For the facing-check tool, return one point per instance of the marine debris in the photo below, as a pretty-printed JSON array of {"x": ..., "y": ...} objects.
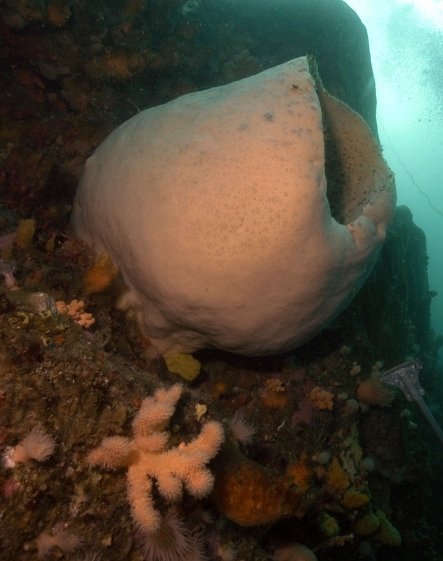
[{"x": 405, "y": 377}]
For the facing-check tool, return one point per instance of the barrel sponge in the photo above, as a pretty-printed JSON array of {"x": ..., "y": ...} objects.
[{"x": 216, "y": 209}]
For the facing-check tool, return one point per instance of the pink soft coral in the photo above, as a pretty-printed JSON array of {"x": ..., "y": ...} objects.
[{"x": 148, "y": 458}]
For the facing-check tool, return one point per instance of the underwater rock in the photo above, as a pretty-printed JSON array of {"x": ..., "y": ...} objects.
[{"x": 217, "y": 209}]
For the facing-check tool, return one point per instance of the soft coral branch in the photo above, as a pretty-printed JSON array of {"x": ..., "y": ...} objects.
[{"x": 149, "y": 460}]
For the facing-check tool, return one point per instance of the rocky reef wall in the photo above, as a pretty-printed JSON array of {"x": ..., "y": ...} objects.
[{"x": 316, "y": 449}]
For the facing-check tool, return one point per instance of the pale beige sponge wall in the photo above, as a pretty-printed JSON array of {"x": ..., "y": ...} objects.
[{"x": 214, "y": 206}]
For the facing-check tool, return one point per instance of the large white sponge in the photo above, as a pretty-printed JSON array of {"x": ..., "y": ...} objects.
[{"x": 214, "y": 207}]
